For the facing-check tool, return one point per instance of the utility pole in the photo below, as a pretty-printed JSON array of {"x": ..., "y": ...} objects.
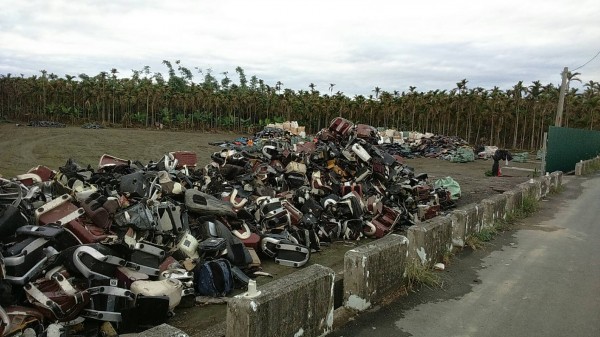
[{"x": 561, "y": 98}]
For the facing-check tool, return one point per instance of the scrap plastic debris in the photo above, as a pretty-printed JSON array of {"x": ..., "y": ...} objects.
[{"x": 119, "y": 246}]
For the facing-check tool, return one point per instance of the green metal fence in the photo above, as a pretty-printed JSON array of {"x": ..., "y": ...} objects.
[{"x": 568, "y": 146}]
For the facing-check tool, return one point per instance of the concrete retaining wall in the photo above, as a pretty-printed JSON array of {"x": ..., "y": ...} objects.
[
  {"x": 300, "y": 304},
  {"x": 584, "y": 167},
  {"x": 373, "y": 271},
  {"x": 514, "y": 200},
  {"x": 556, "y": 178},
  {"x": 474, "y": 218},
  {"x": 459, "y": 219},
  {"x": 430, "y": 240},
  {"x": 494, "y": 208}
]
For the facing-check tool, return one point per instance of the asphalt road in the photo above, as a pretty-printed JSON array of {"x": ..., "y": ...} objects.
[{"x": 543, "y": 279}]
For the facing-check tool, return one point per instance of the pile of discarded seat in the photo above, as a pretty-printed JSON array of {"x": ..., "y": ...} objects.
[
  {"x": 428, "y": 145},
  {"x": 116, "y": 248},
  {"x": 92, "y": 126},
  {"x": 46, "y": 124}
]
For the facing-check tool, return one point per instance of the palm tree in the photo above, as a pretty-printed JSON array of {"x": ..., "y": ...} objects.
[
  {"x": 377, "y": 90},
  {"x": 516, "y": 92}
]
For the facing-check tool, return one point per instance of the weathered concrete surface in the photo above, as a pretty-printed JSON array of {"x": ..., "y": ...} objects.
[
  {"x": 529, "y": 188},
  {"x": 493, "y": 208},
  {"x": 300, "y": 304},
  {"x": 458, "y": 218},
  {"x": 163, "y": 330},
  {"x": 545, "y": 185},
  {"x": 536, "y": 190},
  {"x": 557, "y": 176},
  {"x": 430, "y": 240},
  {"x": 514, "y": 200},
  {"x": 373, "y": 271},
  {"x": 474, "y": 218},
  {"x": 587, "y": 166}
]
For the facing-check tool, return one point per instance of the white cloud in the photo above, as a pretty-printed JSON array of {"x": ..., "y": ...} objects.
[{"x": 356, "y": 44}]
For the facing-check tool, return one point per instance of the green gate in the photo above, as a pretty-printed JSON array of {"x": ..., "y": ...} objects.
[{"x": 568, "y": 146}]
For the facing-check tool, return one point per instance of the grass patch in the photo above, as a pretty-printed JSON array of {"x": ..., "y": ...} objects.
[
  {"x": 486, "y": 234},
  {"x": 556, "y": 190},
  {"x": 474, "y": 242},
  {"x": 448, "y": 256},
  {"x": 530, "y": 205},
  {"x": 503, "y": 225},
  {"x": 418, "y": 275},
  {"x": 478, "y": 240},
  {"x": 592, "y": 167}
]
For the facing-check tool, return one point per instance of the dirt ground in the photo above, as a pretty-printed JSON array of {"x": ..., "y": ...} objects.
[{"x": 22, "y": 148}]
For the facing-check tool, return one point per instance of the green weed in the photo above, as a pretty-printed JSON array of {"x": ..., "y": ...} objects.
[
  {"x": 556, "y": 190},
  {"x": 447, "y": 257},
  {"x": 530, "y": 205},
  {"x": 503, "y": 225},
  {"x": 418, "y": 275},
  {"x": 474, "y": 242}
]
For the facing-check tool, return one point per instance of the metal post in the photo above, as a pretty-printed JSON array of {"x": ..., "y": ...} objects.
[
  {"x": 544, "y": 149},
  {"x": 561, "y": 98}
]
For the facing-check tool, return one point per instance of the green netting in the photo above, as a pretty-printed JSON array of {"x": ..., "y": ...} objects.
[
  {"x": 520, "y": 157},
  {"x": 463, "y": 155},
  {"x": 540, "y": 155},
  {"x": 451, "y": 184}
]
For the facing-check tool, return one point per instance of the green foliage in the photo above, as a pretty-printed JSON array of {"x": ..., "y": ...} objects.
[
  {"x": 478, "y": 240},
  {"x": 503, "y": 225},
  {"x": 138, "y": 117},
  {"x": 592, "y": 167},
  {"x": 418, "y": 275},
  {"x": 486, "y": 234},
  {"x": 448, "y": 256},
  {"x": 165, "y": 116},
  {"x": 530, "y": 205},
  {"x": 474, "y": 242},
  {"x": 556, "y": 190},
  {"x": 514, "y": 118}
]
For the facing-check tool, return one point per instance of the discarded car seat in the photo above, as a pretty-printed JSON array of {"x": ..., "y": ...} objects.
[
  {"x": 137, "y": 216},
  {"x": 202, "y": 203},
  {"x": 135, "y": 184},
  {"x": 144, "y": 313},
  {"x": 340, "y": 126},
  {"x": 24, "y": 260},
  {"x": 107, "y": 301},
  {"x": 383, "y": 223},
  {"x": 56, "y": 297},
  {"x": 292, "y": 254},
  {"x": 236, "y": 253},
  {"x": 59, "y": 237},
  {"x": 169, "y": 287},
  {"x": 11, "y": 218},
  {"x": 17, "y": 318}
]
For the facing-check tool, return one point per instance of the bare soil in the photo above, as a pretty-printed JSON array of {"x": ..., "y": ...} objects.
[{"x": 22, "y": 148}]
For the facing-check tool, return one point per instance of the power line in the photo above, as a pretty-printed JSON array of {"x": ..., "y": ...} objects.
[{"x": 583, "y": 65}]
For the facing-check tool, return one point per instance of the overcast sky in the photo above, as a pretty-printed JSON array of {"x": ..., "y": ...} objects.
[{"x": 357, "y": 45}]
